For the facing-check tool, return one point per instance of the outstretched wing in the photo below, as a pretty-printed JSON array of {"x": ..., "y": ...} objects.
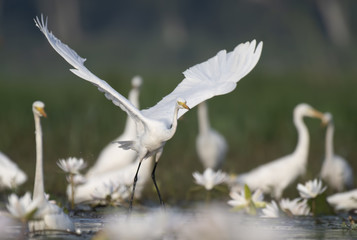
[
  {"x": 218, "y": 75},
  {"x": 81, "y": 71}
]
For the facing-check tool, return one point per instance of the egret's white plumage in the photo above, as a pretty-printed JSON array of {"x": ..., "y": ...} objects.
[
  {"x": 11, "y": 175},
  {"x": 210, "y": 145},
  {"x": 113, "y": 158},
  {"x": 158, "y": 124},
  {"x": 275, "y": 176},
  {"x": 51, "y": 217},
  {"x": 344, "y": 201},
  {"x": 335, "y": 171}
]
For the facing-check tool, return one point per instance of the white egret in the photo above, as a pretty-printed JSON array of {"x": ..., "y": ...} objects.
[
  {"x": 112, "y": 157},
  {"x": 11, "y": 175},
  {"x": 51, "y": 217},
  {"x": 210, "y": 145},
  {"x": 343, "y": 201},
  {"x": 158, "y": 124},
  {"x": 275, "y": 176},
  {"x": 335, "y": 171}
]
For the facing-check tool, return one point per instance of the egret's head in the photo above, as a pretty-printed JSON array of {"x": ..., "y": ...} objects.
[
  {"x": 181, "y": 103},
  {"x": 327, "y": 118},
  {"x": 38, "y": 108},
  {"x": 136, "y": 82},
  {"x": 304, "y": 109}
]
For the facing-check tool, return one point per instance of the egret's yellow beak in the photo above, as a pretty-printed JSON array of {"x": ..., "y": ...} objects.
[
  {"x": 320, "y": 115},
  {"x": 184, "y": 105},
  {"x": 41, "y": 111}
]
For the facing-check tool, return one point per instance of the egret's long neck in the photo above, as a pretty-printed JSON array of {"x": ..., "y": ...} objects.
[
  {"x": 302, "y": 148},
  {"x": 172, "y": 130},
  {"x": 133, "y": 97},
  {"x": 329, "y": 141},
  {"x": 203, "y": 121},
  {"x": 38, "y": 191}
]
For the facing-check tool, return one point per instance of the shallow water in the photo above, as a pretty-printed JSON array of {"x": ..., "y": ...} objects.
[
  {"x": 324, "y": 227},
  {"x": 246, "y": 227}
]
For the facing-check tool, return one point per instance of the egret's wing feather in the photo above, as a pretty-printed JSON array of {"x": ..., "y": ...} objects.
[
  {"x": 218, "y": 75},
  {"x": 81, "y": 71}
]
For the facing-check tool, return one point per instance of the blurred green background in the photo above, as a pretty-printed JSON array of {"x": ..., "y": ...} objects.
[{"x": 309, "y": 55}]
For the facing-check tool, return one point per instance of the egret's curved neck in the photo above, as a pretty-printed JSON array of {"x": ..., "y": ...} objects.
[
  {"x": 38, "y": 191},
  {"x": 302, "y": 147},
  {"x": 329, "y": 141},
  {"x": 203, "y": 121},
  {"x": 133, "y": 97},
  {"x": 172, "y": 129}
]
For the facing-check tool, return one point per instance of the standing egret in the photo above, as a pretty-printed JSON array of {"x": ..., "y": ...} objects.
[
  {"x": 335, "y": 170},
  {"x": 51, "y": 217},
  {"x": 210, "y": 145},
  {"x": 275, "y": 176},
  {"x": 158, "y": 124},
  {"x": 112, "y": 158},
  {"x": 11, "y": 175}
]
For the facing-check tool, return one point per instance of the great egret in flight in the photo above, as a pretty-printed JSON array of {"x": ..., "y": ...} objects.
[
  {"x": 51, "y": 217},
  {"x": 11, "y": 175},
  {"x": 275, "y": 176},
  {"x": 210, "y": 145},
  {"x": 158, "y": 124},
  {"x": 335, "y": 171}
]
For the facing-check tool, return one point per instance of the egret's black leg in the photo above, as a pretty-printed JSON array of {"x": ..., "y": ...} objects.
[
  {"x": 134, "y": 185},
  {"x": 154, "y": 180}
]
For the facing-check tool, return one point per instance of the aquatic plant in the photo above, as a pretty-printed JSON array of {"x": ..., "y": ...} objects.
[
  {"x": 244, "y": 199},
  {"x": 314, "y": 192},
  {"x": 295, "y": 207},
  {"x": 209, "y": 179},
  {"x": 311, "y": 189},
  {"x": 350, "y": 225},
  {"x": 271, "y": 210},
  {"x": 23, "y": 208},
  {"x": 111, "y": 193},
  {"x": 72, "y": 166}
]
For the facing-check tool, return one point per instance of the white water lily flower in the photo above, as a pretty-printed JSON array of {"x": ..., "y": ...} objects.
[
  {"x": 209, "y": 179},
  {"x": 271, "y": 210},
  {"x": 22, "y": 208},
  {"x": 77, "y": 179},
  {"x": 311, "y": 189},
  {"x": 296, "y": 207},
  {"x": 72, "y": 165},
  {"x": 240, "y": 199},
  {"x": 111, "y": 193}
]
